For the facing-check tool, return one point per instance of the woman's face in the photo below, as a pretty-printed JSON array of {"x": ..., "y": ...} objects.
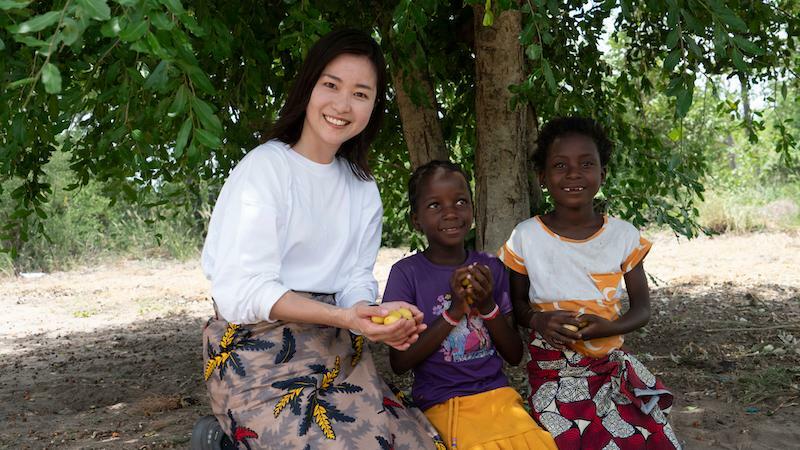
[{"x": 340, "y": 105}]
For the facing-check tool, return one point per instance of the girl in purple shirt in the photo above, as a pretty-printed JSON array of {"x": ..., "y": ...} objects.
[{"x": 458, "y": 360}]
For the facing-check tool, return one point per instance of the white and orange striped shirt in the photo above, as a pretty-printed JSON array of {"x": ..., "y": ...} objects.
[{"x": 577, "y": 275}]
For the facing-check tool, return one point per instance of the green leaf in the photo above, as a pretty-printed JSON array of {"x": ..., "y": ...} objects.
[
  {"x": 675, "y": 135},
  {"x": 533, "y": 51},
  {"x": 140, "y": 46},
  {"x": 2, "y": 44},
  {"x": 747, "y": 45},
  {"x": 174, "y": 6},
  {"x": 784, "y": 90},
  {"x": 738, "y": 60},
  {"x": 672, "y": 60},
  {"x": 71, "y": 31},
  {"x": 160, "y": 21},
  {"x": 200, "y": 79},
  {"x": 488, "y": 17},
  {"x": 111, "y": 28},
  {"x": 672, "y": 37},
  {"x": 207, "y": 138},
  {"x": 31, "y": 41},
  {"x": 155, "y": 46},
  {"x": 96, "y": 9},
  {"x": 191, "y": 24},
  {"x": 11, "y": 4},
  {"x": 134, "y": 31},
  {"x": 157, "y": 80},
  {"x": 20, "y": 82},
  {"x": 684, "y": 100},
  {"x": 37, "y": 23},
  {"x": 183, "y": 137},
  {"x": 179, "y": 104},
  {"x": 51, "y": 78},
  {"x": 548, "y": 76},
  {"x": 731, "y": 19},
  {"x": 194, "y": 154},
  {"x": 206, "y": 116}
]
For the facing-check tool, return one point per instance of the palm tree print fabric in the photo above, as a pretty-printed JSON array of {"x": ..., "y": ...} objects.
[{"x": 290, "y": 385}]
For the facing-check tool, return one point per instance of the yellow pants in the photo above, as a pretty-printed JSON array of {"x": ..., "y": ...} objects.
[{"x": 493, "y": 420}]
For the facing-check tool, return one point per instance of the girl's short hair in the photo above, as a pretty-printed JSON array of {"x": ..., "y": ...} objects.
[
  {"x": 426, "y": 170},
  {"x": 563, "y": 126},
  {"x": 289, "y": 126}
]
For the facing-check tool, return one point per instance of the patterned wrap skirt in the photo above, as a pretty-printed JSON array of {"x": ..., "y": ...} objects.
[
  {"x": 300, "y": 386},
  {"x": 605, "y": 403}
]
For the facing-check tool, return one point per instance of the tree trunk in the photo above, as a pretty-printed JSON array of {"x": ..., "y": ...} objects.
[
  {"x": 421, "y": 128},
  {"x": 531, "y": 134},
  {"x": 503, "y": 147}
]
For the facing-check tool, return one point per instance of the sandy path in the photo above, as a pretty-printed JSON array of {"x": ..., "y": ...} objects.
[{"x": 109, "y": 356}]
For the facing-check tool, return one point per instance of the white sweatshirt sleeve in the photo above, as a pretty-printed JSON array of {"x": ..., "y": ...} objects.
[
  {"x": 242, "y": 254},
  {"x": 362, "y": 284}
]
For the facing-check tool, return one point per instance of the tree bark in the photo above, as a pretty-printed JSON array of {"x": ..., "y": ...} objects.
[
  {"x": 421, "y": 127},
  {"x": 531, "y": 134},
  {"x": 503, "y": 146}
]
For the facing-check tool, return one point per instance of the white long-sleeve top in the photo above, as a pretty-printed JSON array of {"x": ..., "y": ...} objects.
[{"x": 283, "y": 222}]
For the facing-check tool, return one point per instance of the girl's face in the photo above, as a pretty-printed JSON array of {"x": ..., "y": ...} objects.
[
  {"x": 444, "y": 209},
  {"x": 572, "y": 171},
  {"x": 340, "y": 105}
]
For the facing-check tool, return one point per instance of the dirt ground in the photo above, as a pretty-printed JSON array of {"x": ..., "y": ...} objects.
[{"x": 110, "y": 356}]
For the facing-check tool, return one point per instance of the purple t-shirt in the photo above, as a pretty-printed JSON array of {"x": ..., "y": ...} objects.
[{"x": 467, "y": 362}]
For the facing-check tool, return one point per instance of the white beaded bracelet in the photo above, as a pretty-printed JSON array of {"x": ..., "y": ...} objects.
[
  {"x": 449, "y": 319},
  {"x": 492, "y": 314}
]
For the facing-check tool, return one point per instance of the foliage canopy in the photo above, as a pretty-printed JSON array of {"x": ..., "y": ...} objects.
[{"x": 156, "y": 98}]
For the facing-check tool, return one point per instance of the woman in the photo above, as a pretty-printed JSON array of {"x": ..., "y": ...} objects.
[{"x": 290, "y": 250}]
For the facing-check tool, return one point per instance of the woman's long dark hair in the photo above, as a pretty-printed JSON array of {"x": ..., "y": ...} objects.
[{"x": 289, "y": 125}]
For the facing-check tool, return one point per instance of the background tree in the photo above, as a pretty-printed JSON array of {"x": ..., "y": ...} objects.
[{"x": 157, "y": 100}]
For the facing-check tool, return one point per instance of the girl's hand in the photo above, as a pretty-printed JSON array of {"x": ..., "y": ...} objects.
[
  {"x": 551, "y": 326},
  {"x": 480, "y": 287},
  {"x": 597, "y": 327},
  {"x": 400, "y": 334},
  {"x": 458, "y": 294}
]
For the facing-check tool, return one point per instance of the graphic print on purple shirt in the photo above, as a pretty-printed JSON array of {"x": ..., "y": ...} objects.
[
  {"x": 468, "y": 340},
  {"x": 467, "y": 362}
]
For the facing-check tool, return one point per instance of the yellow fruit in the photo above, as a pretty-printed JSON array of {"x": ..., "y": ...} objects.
[
  {"x": 377, "y": 319},
  {"x": 406, "y": 313},
  {"x": 390, "y": 319},
  {"x": 465, "y": 282},
  {"x": 570, "y": 327}
]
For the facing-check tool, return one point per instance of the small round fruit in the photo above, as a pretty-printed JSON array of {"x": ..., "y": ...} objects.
[
  {"x": 390, "y": 319},
  {"x": 377, "y": 319},
  {"x": 406, "y": 313},
  {"x": 572, "y": 328}
]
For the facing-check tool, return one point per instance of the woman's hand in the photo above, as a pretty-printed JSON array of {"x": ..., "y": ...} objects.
[
  {"x": 551, "y": 326},
  {"x": 400, "y": 334}
]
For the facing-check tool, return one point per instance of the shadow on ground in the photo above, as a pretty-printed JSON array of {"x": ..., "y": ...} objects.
[
  {"x": 123, "y": 387},
  {"x": 731, "y": 355}
]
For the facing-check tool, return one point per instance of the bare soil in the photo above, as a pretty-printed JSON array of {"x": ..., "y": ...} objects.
[{"x": 110, "y": 356}]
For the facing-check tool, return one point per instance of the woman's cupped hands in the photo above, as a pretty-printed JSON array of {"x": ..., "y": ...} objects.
[{"x": 399, "y": 334}]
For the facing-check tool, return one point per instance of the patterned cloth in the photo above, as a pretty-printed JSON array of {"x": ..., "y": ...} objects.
[
  {"x": 300, "y": 386},
  {"x": 605, "y": 403}
]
